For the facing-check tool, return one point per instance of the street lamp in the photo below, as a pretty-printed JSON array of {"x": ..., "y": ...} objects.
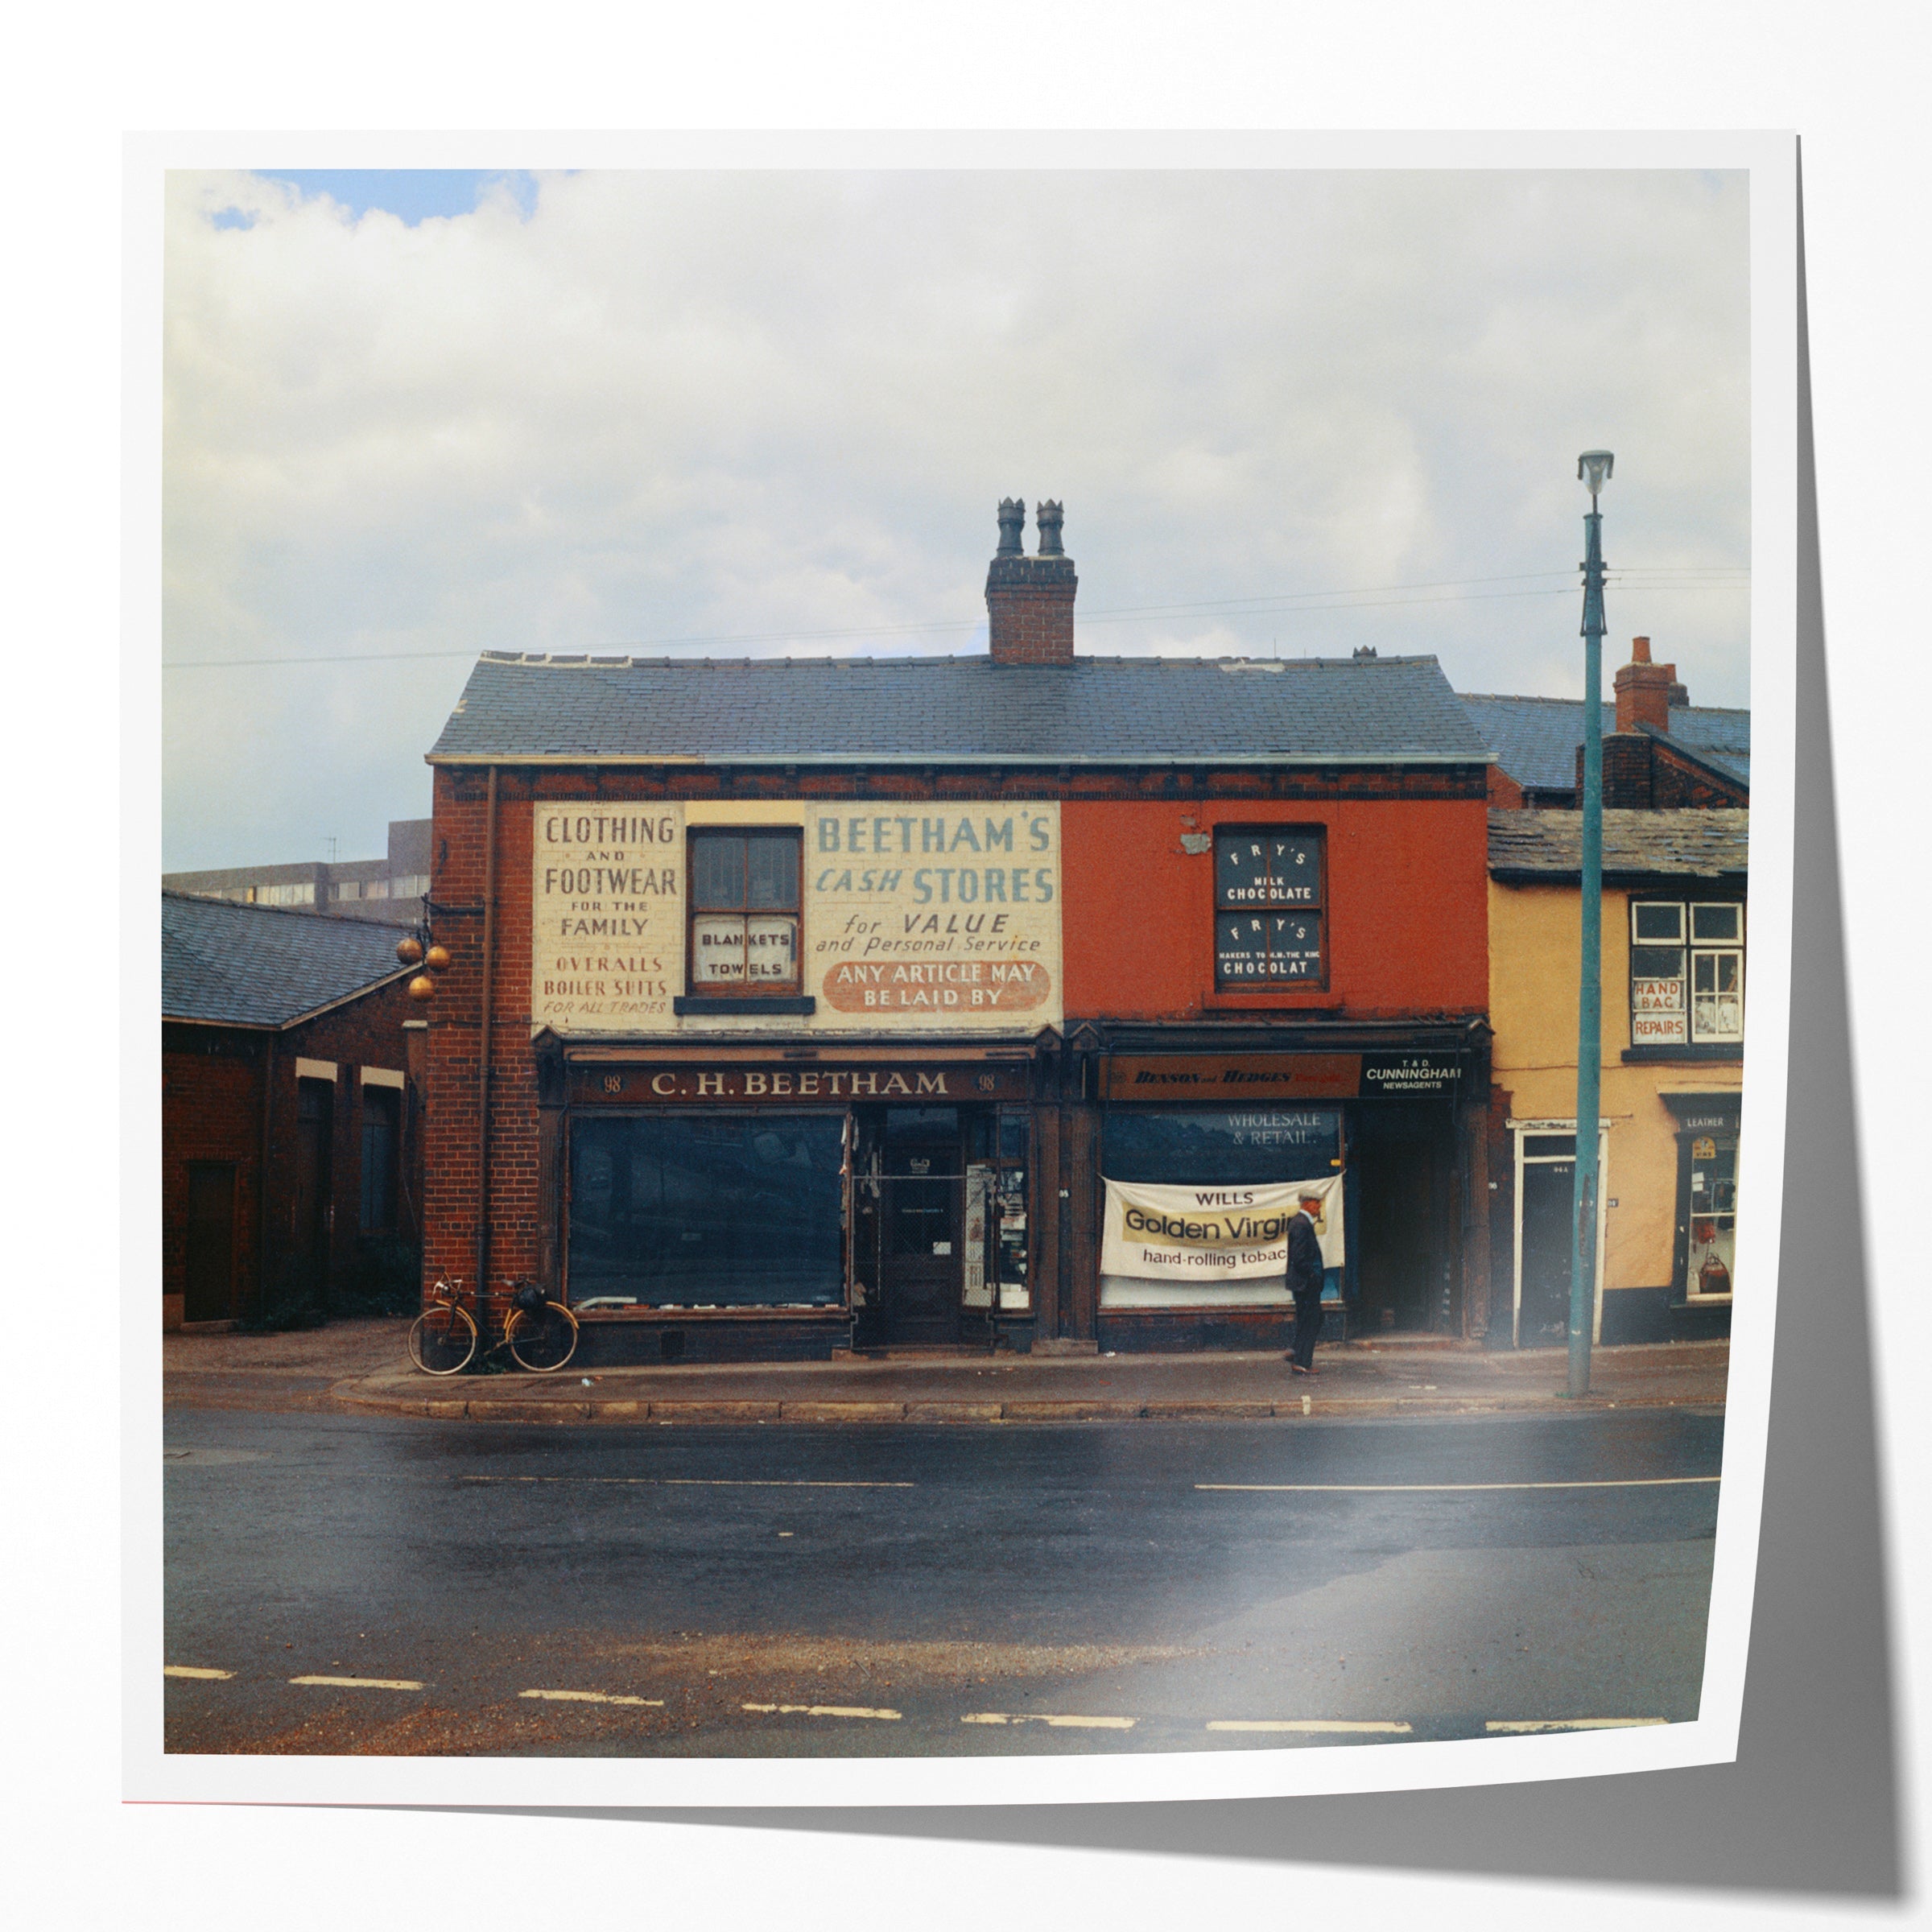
[{"x": 1593, "y": 471}]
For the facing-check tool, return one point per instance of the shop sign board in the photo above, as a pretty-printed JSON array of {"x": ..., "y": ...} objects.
[
  {"x": 1186, "y": 1077},
  {"x": 1657, "y": 1013},
  {"x": 929, "y": 918},
  {"x": 1410, "y": 1073},
  {"x": 902, "y": 1083},
  {"x": 1205, "y": 1235}
]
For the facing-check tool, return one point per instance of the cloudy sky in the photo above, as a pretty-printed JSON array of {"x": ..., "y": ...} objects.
[{"x": 410, "y": 417}]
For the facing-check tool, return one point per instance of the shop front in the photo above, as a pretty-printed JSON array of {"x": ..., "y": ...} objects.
[
  {"x": 779, "y": 1201},
  {"x": 1387, "y": 1132}
]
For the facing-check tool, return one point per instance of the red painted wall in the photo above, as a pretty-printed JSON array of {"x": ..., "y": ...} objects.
[{"x": 1408, "y": 897}]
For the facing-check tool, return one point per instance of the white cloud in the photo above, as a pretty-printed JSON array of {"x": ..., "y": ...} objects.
[{"x": 726, "y": 405}]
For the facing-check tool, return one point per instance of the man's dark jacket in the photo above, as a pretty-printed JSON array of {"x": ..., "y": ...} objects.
[{"x": 1304, "y": 1258}]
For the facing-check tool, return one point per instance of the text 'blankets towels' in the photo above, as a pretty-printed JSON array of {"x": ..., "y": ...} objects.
[{"x": 1213, "y": 1234}]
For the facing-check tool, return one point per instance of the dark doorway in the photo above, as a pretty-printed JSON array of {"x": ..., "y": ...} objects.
[
  {"x": 210, "y": 1285},
  {"x": 315, "y": 1140},
  {"x": 1402, "y": 1266},
  {"x": 920, "y": 1224},
  {"x": 1548, "y": 1196}
]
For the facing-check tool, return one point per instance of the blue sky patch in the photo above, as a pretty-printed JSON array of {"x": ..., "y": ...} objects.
[{"x": 411, "y": 194}]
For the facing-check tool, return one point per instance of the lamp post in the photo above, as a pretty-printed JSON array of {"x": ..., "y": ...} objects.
[{"x": 1592, "y": 470}]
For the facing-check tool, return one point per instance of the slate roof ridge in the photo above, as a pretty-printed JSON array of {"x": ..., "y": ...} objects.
[
  {"x": 287, "y": 912},
  {"x": 538, "y": 660}
]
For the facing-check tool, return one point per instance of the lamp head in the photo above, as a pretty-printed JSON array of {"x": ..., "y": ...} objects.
[{"x": 1593, "y": 470}]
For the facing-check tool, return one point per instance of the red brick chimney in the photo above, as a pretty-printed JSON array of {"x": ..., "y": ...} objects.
[
  {"x": 1644, "y": 689},
  {"x": 1029, "y": 600}
]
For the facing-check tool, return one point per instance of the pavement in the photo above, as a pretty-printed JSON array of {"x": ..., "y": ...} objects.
[{"x": 361, "y": 1366}]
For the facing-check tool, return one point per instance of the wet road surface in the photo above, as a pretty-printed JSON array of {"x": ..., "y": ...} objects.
[{"x": 339, "y": 1583}]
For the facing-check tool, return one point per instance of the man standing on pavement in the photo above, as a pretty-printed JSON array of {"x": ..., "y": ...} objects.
[{"x": 1305, "y": 1283}]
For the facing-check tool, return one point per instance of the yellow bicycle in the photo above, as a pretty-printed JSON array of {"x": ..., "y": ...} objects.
[{"x": 540, "y": 1334}]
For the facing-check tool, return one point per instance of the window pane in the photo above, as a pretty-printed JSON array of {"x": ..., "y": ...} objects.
[
  {"x": 1240, "y": 871},
  {"x": 671, "y": 1210},
  {"x": 771, "y": 951},
  {"x": 1260, "y": 1145},
  {"x": 1717, "y": 1002},
  {"x": 717, "y": 869},
  {"x": 717, "y": 950},
  {"x": 1549, "y": 1147},
  {"x": 1294, "y": 869},
  {"x": 1717, "y": 923},
  {"x": 774, "y": 873},
  {"x": 1240, "y": 946},
  {"x": 1652, "y": 921},
  {"x": 1657, "y": 962},
  {"x": 1294, "y": 948}
]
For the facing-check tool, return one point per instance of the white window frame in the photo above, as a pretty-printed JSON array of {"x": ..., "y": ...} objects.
[
  {"x": 1523, "y": 1130},
  {"x": 1692, "y": 950}
]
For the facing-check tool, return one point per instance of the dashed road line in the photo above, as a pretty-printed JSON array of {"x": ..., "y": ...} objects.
[
  {"x": 1636, "y": 1482},
  {"x": 194, "y": 1670},
  {"x": 1062, "y": 1722},
  {"x": 692, "y": 1482},
  {"x": 592, "y": 1697},
  {"x": 1379, "y": 1726},
  {"x": 362, "y": 1683},
  {"x": 822, "y": 1710},
  {"x": 1519, "y": 1725}
]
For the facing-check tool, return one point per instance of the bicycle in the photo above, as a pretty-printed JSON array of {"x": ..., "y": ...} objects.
[{"x": 540, "y": 1334}]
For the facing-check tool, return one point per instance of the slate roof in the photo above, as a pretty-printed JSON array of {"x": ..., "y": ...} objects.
[
  {"x": 876, "y": 710},
  {"x": 1535, "y": 739},
  {"x": 264, "y": 965},
  {"x": 1525, "y": 846}
]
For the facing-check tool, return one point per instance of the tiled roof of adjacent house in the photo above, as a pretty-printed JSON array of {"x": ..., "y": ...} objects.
[
  {"x": 1535, "y": 739},
  {"x": 531, "y": 708},
  {"x": 1692, "y": 843},
  {"x": 263, "y": 965}
]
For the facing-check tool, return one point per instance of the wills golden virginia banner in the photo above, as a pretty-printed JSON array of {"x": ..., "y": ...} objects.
[{"x": 1213, "y": 1234}]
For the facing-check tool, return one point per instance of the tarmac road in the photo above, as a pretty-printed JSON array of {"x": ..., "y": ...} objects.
[{"x": 859, "y": 1591}]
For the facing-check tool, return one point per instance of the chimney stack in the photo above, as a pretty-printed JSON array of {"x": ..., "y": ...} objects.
[
  {"x": 1646, "y": 691},
  {"x": 1029, "y": 600}
]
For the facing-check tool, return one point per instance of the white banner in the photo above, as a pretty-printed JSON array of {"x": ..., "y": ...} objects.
[{"x": 1206, "y": 1235}]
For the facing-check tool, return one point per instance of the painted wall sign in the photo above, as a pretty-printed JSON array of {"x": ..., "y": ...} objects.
[
  {"x": 937, "y": 917},
  {"x": 908, "y": 1082},
  {"x": 1174, "y": 1077}
]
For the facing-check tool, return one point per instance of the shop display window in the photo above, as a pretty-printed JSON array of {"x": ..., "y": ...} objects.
[
  {"x": 1711, "y": 1249},
  {"x": 1270, "y": 901},
  {"x": 714, "y": 1211},
  {"x": 744, "y": 910},
  {"x": 1686, "y": 972}
]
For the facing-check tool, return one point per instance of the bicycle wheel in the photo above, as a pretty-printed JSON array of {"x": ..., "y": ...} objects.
[
  {"x": 543, "y": 1342},
  {"x": 442, "y": 1339}
]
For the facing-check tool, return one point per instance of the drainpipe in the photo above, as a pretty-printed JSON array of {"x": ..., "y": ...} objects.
[{"x": 483, "y": 1057}]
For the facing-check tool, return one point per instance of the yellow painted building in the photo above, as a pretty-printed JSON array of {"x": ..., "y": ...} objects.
[{"x": 1674, "y": 945}]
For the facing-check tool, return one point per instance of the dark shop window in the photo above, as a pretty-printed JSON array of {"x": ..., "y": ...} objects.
[
  {"x": 381, "y": 1138},
  {"x": 1269, "y": 907},
  {"x": 744, "y": 911},
  {"x": 1250, "y": 1147},
  {"x": 732, "y": 1212}
]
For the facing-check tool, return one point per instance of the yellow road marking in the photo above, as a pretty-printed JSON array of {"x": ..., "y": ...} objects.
[
  {"x": 362, "y": 1683},
  {"x": 1638, "y": 1482},
  {"x": 591, "y": 1697},
  {"x": 821, "y": 1710},
  {"x": 1572, "y": 1723},
  {"x": 192, "y": 1670},
  {"x": 692, "y": 1482},
  {"x": 1062, "y": 1722},
  {"x": 1384, "y": 1726}
]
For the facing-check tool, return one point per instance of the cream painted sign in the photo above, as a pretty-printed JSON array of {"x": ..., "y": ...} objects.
[
  {"x": 924, "y": 916},
  {"x": 607, "y": 917},
  {"x": 920, "y": 917}
]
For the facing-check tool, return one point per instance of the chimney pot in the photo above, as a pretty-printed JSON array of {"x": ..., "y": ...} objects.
[
  {"x": 1050, "y": 516},
  {"x": 1643, "y": 690},
  {"x": 1012, "y": 520},
  {"x": 1029, "y": 600},
  {"x": 1639, "y": 650}
]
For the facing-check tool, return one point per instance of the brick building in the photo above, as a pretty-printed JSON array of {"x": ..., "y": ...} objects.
[
  {"x": 290, "y": 1114},
  {"x": 798, "y": 1003},
  {"x": 386, "y": 891}
]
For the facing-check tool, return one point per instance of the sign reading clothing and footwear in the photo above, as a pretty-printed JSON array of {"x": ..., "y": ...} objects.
[
  {"x": 926, "y": 917},
  {"x": 1205, "y": 1235}
]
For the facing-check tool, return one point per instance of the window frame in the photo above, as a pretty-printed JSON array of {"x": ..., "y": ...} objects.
[
  {"x": 1270, "y": 983},
  {"x": 1689, "y": 950},
  {"x": 745, "y": 987}
]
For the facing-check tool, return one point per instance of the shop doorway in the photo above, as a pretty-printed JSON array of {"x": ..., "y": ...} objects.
[
  {"x": 210, "y": 1285},
  {"x": 921, "y": 1225},
  {"x": 1545, "y": 1200},
  {"x": 1397, "y": 1268},
  {"x": 315, "y": 1140}
]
